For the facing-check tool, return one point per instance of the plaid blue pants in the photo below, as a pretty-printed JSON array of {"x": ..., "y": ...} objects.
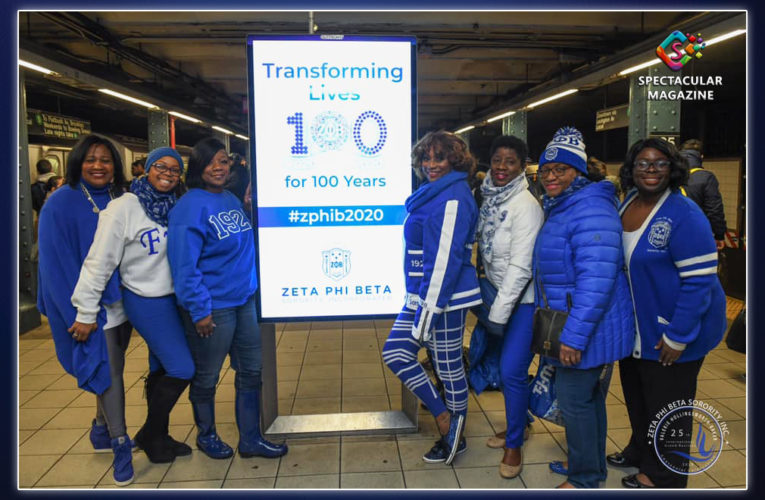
[{"x": 445, "y": 346}]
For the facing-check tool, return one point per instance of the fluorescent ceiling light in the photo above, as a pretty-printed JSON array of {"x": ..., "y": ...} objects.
[
  {"x": 36, "y": 67},
  {"x": 244, "y": 138},
  {"x": 469, "y": 127},
  {"x": 499, "y": 117},
  {"x": 185, "y": 117},
  {"x": 221, "y": 129},
  {"x": 725, "y": 36},
  {"x": 657, "y": 60},
  {"x": 552, "y": 98},
  {"x": 129, "y": 99},
  {"x": 640, "y": 66}
]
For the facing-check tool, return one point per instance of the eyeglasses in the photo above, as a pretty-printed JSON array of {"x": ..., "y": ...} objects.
[
  {"x": 164, "y": 169},
  {"x": 659, "y": 165},
  {"x": 557, "y": 171}
]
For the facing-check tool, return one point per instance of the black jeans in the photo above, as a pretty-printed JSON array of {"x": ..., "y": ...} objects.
[{"x": 648, "y": 388}]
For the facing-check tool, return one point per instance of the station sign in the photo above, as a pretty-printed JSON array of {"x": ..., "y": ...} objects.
[
  {"x": 611, "y": 118},
  {"x": 331, "y": 128},
  {"x": 55, "y": 125}
]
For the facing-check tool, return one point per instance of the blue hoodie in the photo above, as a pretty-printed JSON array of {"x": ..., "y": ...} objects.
[
  {"x": 579, "y": 252},
  {"x": 439, "y": 233},
  {"x": 66, "y": 229},
  {"x": 211, "y": 251}
]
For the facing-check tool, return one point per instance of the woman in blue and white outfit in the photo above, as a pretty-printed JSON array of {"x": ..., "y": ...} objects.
[
  {"x": 508, "y": 223},
  {"x": 578, "y": 260},
  {"x": 441, "y": 284},
  {"x": 671, "y": 259},
  {"x": 95, "y": 355},
  {"x": 212, "y": 260},
  {"x": 132, "y": 236}
]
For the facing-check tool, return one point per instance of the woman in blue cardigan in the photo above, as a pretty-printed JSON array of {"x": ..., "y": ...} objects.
[
  {"x": 679, "y": 303},
  {"x": 95, "y": 356},
  {"x": 441, "y": 284},
  {"x": 578, "y": 261}
]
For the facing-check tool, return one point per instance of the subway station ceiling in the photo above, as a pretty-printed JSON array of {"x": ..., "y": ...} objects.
[{"x": 469, "y": 64}]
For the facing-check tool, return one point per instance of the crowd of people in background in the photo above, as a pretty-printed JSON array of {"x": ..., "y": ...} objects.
[{"x": 630, "y": 258}]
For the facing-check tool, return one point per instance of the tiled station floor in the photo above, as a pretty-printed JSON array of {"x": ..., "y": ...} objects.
[{"x": 328, "y": 368}]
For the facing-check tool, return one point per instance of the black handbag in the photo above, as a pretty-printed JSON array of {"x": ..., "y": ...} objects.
[{"x": 547, "y": 327}]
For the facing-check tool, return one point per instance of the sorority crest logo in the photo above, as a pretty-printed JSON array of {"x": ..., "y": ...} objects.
[
  {"x": 336, "y": 263},
  {"x": 677, "y": 49},
  {"x": 688, "y": 436},
  {"x": 658, "y": 236},
  {"x": 329, "y": 130},
  {"x": 551, "y": 153}
]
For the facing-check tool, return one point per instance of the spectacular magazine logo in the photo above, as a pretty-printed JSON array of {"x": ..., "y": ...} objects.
[{"x": 678, "y": 48}]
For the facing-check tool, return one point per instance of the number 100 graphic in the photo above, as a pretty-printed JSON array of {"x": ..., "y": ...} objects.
[{"x": 330, "y": 130}]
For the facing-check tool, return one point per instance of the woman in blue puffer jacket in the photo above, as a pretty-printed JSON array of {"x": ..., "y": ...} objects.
[{"x": 578, "y": 261}]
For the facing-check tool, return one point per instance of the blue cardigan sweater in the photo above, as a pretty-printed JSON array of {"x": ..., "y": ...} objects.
[
  {"x": 66, "y": 229},
  {"x": 672, "y": 269},
  {"x": 579, "y": 252}
]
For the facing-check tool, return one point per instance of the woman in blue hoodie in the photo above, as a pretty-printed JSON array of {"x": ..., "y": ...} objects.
[
  {"x": 671, "y": 259},
  {"x": 441, "y": 284},
  {"x": 211, "y": 252},
  {"x": 94, "y": 356},
  {"x": 578, "y": 266}
]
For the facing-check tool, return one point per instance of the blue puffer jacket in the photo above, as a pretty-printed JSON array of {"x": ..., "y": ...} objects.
[{"x": 579, "y": 252}]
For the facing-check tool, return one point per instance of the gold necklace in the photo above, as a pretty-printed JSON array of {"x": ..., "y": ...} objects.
[{"x": 90, "y": 198}]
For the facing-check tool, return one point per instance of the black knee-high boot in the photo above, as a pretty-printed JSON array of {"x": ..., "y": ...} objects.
[{"x": 162, "y": 392}]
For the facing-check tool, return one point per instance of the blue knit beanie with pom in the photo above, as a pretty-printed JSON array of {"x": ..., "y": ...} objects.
[{"x": 566, "y": 146}]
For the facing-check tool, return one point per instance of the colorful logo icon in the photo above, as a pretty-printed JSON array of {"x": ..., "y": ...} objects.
[{"x": 677, "y": 49}]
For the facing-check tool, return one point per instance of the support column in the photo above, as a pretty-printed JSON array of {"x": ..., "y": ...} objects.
[
  {"x": 29, "y": 316},
  {"x": 159, "y": 130},
  {"x": 653, "y": 118},
  {"x": 517, "y": 125}
]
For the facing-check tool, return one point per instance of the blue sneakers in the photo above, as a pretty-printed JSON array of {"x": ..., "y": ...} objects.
[
  {"x": 453, "y": 437},
  {"x": 100, "y": 439},
  {"x": 123, "y": 460},
  {"x": 439, "y": 452}
]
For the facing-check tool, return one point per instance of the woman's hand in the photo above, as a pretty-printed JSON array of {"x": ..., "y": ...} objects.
[
  {"x": 205, "y": 326},
  {"x": 496, "y": 329},
  {"x": 667, "y": 356},
  {"x": 569, "y": 356},
  {"x": 81, "y": 331}
]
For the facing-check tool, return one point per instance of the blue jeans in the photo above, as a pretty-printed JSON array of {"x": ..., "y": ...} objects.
[
  {"x": 514, "y": 368},
  {"x": 583, "y": 404},
  {"x": 236, "y": 334}
]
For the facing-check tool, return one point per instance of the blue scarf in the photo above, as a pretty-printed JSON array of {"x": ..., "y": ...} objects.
[
  {"x": 155, "y": 203},
  {"x": 548, "y": 202},
  {"x": 429, "y": 190}
]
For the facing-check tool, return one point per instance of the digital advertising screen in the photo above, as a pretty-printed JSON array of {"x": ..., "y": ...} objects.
[{"x": 332, "y": 122}]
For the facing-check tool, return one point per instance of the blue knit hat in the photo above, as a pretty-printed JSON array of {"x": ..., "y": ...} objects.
[
  {"x": 162, "y": 152},
  {"x": 567, "y": 146}
]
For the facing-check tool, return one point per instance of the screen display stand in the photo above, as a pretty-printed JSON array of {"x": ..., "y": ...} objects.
[{"x": 326, "y": 424}]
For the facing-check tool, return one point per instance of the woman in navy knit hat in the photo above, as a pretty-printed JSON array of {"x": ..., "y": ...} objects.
[
  {"x": 132, "y": 236},
  {"x": 578, "y": 267}
]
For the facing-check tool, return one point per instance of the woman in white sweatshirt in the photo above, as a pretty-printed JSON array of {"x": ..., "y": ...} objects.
[
  {"x": 132, "y": 234},
  {"x": 508, "y": 223}
]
